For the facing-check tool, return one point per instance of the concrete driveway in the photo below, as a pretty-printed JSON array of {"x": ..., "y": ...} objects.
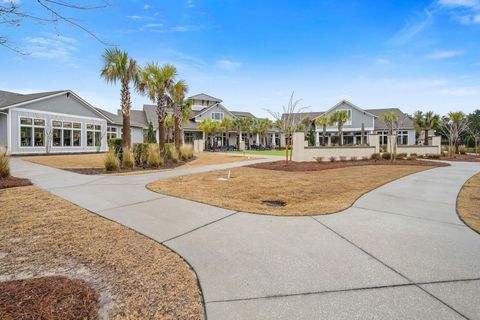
[{"x": 399, "y": 253}]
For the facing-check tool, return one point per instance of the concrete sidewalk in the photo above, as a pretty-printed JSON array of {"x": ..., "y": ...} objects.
[{"x": 399, "y": 253}]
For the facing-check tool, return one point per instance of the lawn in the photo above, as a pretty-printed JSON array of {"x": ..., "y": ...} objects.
[
  {"x": 468, "y": 203},
  {"x": 303, "y": 192},
  {"x": 279, "y": 153},
  {"x": 42, "y": 235},
  {"x": 80, "y": 162}
]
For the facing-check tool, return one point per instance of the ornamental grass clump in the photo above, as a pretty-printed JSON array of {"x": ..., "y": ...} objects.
[
  {"x": 171, "y": 154},
  {"x": 4, "y": 163},
  {"x": 127, "y": 159},
  {"x": 111, "y": 161},
  {"x": 186, "y": 152},
  {"x": 153, "y": 158}
]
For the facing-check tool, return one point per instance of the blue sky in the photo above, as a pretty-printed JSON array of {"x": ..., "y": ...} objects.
[{"x": 407, "y": 54}]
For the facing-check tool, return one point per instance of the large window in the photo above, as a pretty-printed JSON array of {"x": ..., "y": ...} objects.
[
  {"x": 217, "y": 116},
  {"x": 66, "y": 134},
  {"x": 94, "y": 135},
  {"x": 32, "y": 132},
  {"x": 383, "y": 137},
  {"x": 112, "y": 133},
  {"x": 402, "y": 137}
]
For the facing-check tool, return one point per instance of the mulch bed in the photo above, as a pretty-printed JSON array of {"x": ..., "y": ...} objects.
[
  {"x": 54, "y": 297},
  {"x": 319, "y": 166},
  {"x": 12, "y": 182},
  {"x": 462, "y": 157}
]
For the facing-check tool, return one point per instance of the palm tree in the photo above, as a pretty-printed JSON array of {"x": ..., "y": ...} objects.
[
  {"x": 339, "y": 117},
  {"x": 238, "y": 124},
  {"x": 177, "y": 94},
  {"x": 426, "y": 122},
  {"x": 226, "y": 125},
  {"x": 210, "y": 128},
  {"x": 169, "y": 126},
  {"x": 459, "y": 120},
  {"x": 155, "y": 82},
  {"x": 323, "y": 121},
  {"x": 391, "y": 121},
  {"x": 118, "y": 66},
  {"x": 265, "y": 125},
  {"x": 247, "y": 128}
]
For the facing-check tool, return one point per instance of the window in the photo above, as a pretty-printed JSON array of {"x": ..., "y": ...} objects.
[
  {"x": 66, "y": 134},
  {"x": 32, "y": 132},
  {"x": 111, "y": 133},
  {"x": 94, "y": 135},
  {"x": 402, "y": 137},
  {"x": 383, "y": 137},
  {"x": 217, "y": 116}
]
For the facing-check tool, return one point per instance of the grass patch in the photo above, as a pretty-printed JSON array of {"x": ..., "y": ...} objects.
[
  {"x": 305, "y": 193},
  {"x": 42, "y": 234},
  {"x": 468, "y": 203}
]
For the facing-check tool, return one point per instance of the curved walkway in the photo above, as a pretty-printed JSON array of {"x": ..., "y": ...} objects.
[{"x": 400, "y": 252}]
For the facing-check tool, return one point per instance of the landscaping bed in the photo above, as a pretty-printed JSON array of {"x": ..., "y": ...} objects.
[
  {"x": 12, "y": 182},
  {"x": 134, "y": 277},
  {"x": 280, "y": 192},
  {"x": 462, "y": 157},
  {"x": 53, "y": 297},
  {"x": 319, "y": 166},
  {"x": 468, "y": 203}
]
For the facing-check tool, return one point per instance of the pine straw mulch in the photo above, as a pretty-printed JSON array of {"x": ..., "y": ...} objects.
[
  {"x": 54, "y": 297},
  {"x": 468, "y": 203},
  {"x": 319, "y": 166},
  {"x": 462, "y": 157},
  {"x": 12, "y": 182},
  {"x": 137, "y": 278},
  {"x": 304, "y": 192}
]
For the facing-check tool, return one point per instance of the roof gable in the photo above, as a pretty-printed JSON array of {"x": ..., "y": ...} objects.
[
  {"x": 350, "y": 105},
  {"x": 214, "y": 106},
  {"x": 203, "y": 96}
]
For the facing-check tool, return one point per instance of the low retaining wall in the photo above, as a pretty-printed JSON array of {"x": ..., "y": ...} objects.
[{"x": 419, "y": 150}]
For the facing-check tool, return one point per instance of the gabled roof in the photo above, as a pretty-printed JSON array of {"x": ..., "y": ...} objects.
[
  {"x": 403, "y": 117},
  {"x": 9, "y": 99},
  {"x": 242, "y": 114},
  {"x": 302, "y": 115},
  {"x": 203, "y": 96},
  {"x": 118, "y": 119},
  {"x": 347, "y": 103},
  {"x": 213, "y": 106}
]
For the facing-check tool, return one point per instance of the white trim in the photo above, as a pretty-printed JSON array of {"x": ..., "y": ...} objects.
[
  {"x": 32, "y": 126},
  {"x": 215, "y": 105},
  {"x": 344, "y": 129},
  {"x": 59, "y": 114},
  {"x": 348, "y": 103},
  {"x": 62, "y": 129},
  {"x": 9, "y": 132}
]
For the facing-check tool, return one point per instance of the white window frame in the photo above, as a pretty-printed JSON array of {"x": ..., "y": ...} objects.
[
  {"x": 222, "y": 115},
  {"x": 62, "y": 128},
  {"x": 32, "y": 126},
  {"x": 94, "y": 130},
  {"x": 110, "y": 132},
  {"x": 400, "y": 135}
]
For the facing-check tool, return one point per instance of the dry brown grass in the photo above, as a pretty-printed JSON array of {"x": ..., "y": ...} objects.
[
  {"x": 468, "y": 203},
  {"x": 42, "y": 234},
  {"x": 306, "y": 193},
  {"x": 96, "y": 161}
]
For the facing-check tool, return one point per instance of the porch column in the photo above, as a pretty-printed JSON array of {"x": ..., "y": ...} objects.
[
  {"x": 329, "y": 140},
  {"x": 317, "y": 139},
  {"x": 274, "y": 137},
  {"x": 257, "y": 140}
]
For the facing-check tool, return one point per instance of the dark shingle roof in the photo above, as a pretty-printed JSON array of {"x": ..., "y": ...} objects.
[
  {"x": 203, "y": 96},
  {"x": 298, "y": 117},
  {"x": 243, "y": 114},
  {"x": 118, "y": 119},
  {"x": 11, "y": 98},
  {"x": 405, "y": 120}
]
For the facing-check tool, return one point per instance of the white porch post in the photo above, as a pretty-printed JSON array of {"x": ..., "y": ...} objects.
[
  {"x": 317, "y": 139},
  {"x": 329, "y": 140}
]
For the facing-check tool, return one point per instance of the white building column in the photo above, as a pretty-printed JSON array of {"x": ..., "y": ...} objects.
[
  {"x": 257, "y": 140},
  {"x": 274, "y": 137},
  {"x": 317, "y": 138}
]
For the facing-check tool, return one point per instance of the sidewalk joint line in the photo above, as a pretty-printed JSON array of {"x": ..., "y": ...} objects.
[
  {"x": 132, "y": 204},
  {"x": 199, "y": 227}
]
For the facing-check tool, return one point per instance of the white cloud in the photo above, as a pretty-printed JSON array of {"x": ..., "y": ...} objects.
[
  {"x": 135, "y": 17},
  {"x": 147, "y": 6},
  {"x": 153, "y": 25},
  {"x": 460, "y": 92},
  {"x": 469, "y": 19},
  {"x": 383, "y": 61},
  {"x": 59, "y": 47},
  {"x": 411, "y": 29},
  {"x": 228, "y": 64},
  {"x": 190, "y": 3},
  {"x": 459, "y": 3},
  {"x": 444, "y": 54}
]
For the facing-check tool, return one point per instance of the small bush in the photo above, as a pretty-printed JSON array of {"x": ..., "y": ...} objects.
[
  {"x": 462, "y": 150},
  {"x": 111, "y": 161},
  {"x": 171, "y": 154},
  {"x": 127, "y": 159},
  {"x": 319, "y": 159},
  {"x": 153, "y": 159},
  {"x": 140, "y": 154},
  {"x": 413, "y": 156},
  {"x": 353, "y": 158},
  {"x": 401, "y": 155},
  {"x": 4, "y": 163},
  {"x": 343, "y": 158},
  {"x": 386, "y": 155},
  {"x": 186, "y": 152},
  {"x": 383, "y": 148},
  {"x": 333, "y": 159},
  {"x": 433, "y": 156},
  {"x": 364, "y": 158},
  {"x": 115, "y": 145},
  {"x": 375, "y": 156}
]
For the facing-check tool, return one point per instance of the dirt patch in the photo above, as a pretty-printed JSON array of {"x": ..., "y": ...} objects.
[
  {"x": 53, "y": 297},
  {"x": 12, "y": 182},
  {"x": 462, "y": 157},
  {"x": 42, "y": 234},
  {"x": 304, "y": 192},
  {"x": 319, "y": 166},
  {"x": 468, "y": 203}
]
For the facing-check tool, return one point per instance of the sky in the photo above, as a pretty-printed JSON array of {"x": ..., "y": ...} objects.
[{"x": 414, "y": 55}]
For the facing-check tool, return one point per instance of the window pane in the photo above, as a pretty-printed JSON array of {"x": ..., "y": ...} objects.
[
  {"x": 39, "y": 122},
  {"x": 89, "y": 126},
  {"x": 67, "y": 124},
  {"x": 113, "y": 129},
  {"x": 57, "y": 137},
  {"x": 57, "y": 123},
  {"x": 67, "y": 138},
  {"x": 26, "y": 121},
  {"x": 77, "y": 138},
  {"x": 98, "y": 127},
  {"x": 90, "y": 138},
  {"x": 77, "y": 125},
  {"x": 98, "y": 139},
  {"x": 26, "y": 136},
  {"x": 39, "y": 136}
]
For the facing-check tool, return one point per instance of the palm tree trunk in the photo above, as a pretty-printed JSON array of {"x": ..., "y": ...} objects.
[
  {"x": 178, "y": 138},
  {"x": 126, "y": 105},
  {"x": 161, "y": 124},
  {"x": 426, "y": 137},
  {"x": 340, "y": 136},
  {"x": 324, "y": 134}
]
